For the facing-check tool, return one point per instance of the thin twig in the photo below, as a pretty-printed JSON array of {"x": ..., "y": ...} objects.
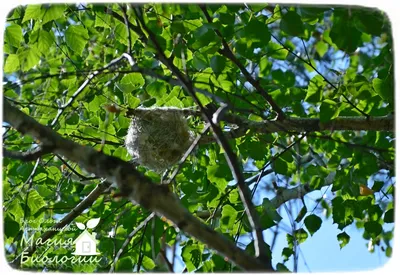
[
  {"x": 188, "y": 152},
  {"x": 128, "y": 31},
  {"x": 89, "y": 78},
  {"x": 129, "y": 238},
  {"x": 319, "y": 73},
  {"x": 226, "y": 51},
  {"x": 28, "y": 156},
  {"x": 164, "y": 256},
  {"x": 76, "y": 172}
]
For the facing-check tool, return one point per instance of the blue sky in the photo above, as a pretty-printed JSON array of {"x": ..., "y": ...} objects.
[{"x": 322, "y": 253}]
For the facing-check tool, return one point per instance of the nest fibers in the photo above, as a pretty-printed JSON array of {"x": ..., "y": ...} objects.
[{"x": 158, "y": 137}]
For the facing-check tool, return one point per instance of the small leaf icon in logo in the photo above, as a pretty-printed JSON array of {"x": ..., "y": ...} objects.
[
  {"x": 81, "y": 226},
  {"x": 92, "y": 223}
]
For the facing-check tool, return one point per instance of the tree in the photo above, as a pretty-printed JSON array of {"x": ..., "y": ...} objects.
[{"x": 282, "y": 100}]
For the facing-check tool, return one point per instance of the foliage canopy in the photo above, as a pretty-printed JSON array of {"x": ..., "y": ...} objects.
[{"x": 310, "y": 104}]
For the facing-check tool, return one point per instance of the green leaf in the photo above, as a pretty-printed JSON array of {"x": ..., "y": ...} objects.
[
  {"x": 28, "y": 58},
  {"x": 388, "y": 251},
  {"x": 32, "y": 12},
  {"x": 321, "y": 48},
  {"x": 95, "y": 103},
  {"x": 12, "y": 63},
  {"x": 124, "y": 265},
  {"x": 122, "y": 34},
  {"x": 310, "y": 14},
  {"x": 13, "y": 35},
  {"x": 287, "y": 78},
  {"x": 204, "y": 37},
  {"x": 286, "y": 253},
  {"x": 343, "y": 239},
  {"x": 157, "y": 89},
  {"x": 282, "y": 268},
  {"x": 389, "y": 216},
  {"x": 174, "y": 102},
  {"x": 16, "y": 210},
  {"x": 134, "y": 79},
  {"x": 257, "y": 7},
  {"x": 73, "y": 119},
  {"x": 314, "y": 90},
  {"x": 200, "y": 61},
  {"x": 52, "y": 12},
  {"x": 218, "y": 63},
  {"x": 275, "y": 50},
  {"x": 217, "y": 174},
  {"x": 228, "y": 217},
  {"x": 270, "y": 210},
  {"x": 265, "y": 66},
  {"x": 250, "y": 249},
  {"x": 35, "y": 202},
  {"x": 148, "y": 263},
  {"x": 290, "y": 240},
  {"x": 191, "y": 255},
  {"x": 370, "y": 21},
  {"x": 344, "y": 211},
  {"x": 45, "y": 40},
  {"x": 300, "y": 235},
  {"x": 343, "y": 33},
  {"x": 268, "y": 215},
  {"x": 12, "y": 229},
  {"x": 373, "y": 228},
  {"x": 328, "y": 110},
  {"x": 291, "y": 24},
  {"x": 374, "y": 212},
  {"x": 102, "y": 20},
  {"x": 377, "y": 187},
  {"x": 280, "y": 166},
  {"x": 76, "y": 37},
  {"x": 313, "y": 223},
  {"x": 301, "y": 214},
  {"x": 257, "y": 31},
  {"x": 384, "y": 89},
  {"x": 131, "y": 82}
]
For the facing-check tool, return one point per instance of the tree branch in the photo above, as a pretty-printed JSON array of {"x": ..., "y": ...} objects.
[
  {"x": 128, "y": 240},
  {"x": 244, "y": 192},
  {"x": 282, "y": 196},
  {"x": 226, "y": 51},
  {"x": 298, "y": 192},
  {"x": 89, "y": 78},
  {"x": 319, "y": 73},
  {"x": 289, "y": 124},
  {"x": 28, "y": 156},
  {"x": 134, "y": 185}
]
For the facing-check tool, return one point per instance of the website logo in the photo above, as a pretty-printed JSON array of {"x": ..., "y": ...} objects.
[{"x": 85, "y": 243}]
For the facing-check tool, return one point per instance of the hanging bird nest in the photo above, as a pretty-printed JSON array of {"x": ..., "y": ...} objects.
[{"x": 158, "y": 137}]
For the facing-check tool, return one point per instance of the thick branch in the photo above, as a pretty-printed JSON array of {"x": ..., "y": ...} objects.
[
  {"x": 296, "y": 124},
  {"x": 289, "y": 124},
  {"x": 382, "y": 123},
  {"x": 134, "y": 185}
]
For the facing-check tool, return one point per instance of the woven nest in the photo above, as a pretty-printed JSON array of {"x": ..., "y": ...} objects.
[{"x": 158, "y": 137}]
